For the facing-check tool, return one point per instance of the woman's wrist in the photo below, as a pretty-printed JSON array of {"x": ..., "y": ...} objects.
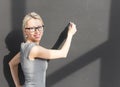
[{"x": 70, "y": 35}]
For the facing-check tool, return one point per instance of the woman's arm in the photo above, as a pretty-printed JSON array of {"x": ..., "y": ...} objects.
[
  {"x": 14, "y": 69},
  {"x": 41, "y": 52}
]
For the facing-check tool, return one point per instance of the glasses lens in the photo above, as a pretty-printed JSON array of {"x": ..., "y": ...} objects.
[{"x": 33, "y": 29}]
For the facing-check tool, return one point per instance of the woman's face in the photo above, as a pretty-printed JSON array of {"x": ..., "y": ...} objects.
[{"x": 34, "y": 30}]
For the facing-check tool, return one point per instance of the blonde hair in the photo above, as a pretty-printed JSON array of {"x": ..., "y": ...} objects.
[{"x": 29, "y": 16}]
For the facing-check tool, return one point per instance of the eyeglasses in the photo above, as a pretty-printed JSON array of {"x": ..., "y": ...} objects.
[{"x": 33, "y": 29}]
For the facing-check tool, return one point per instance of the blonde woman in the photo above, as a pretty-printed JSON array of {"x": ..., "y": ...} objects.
[{"x": 32, "y": 56}]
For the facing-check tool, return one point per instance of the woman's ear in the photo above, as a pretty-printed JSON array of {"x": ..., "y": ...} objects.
[{"x": 25, "y": 33}]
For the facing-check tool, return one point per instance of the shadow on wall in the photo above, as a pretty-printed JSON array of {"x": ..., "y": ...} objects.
[
  {"x": 14, "y": 38},
  {"x": 110, "y": 69},
  {"x": 109, "y": 52},
  {"x": 12, "y": 41}
]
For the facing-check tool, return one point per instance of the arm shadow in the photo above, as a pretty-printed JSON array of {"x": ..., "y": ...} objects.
[
  {"x": 13, "y": 45},
  {"x": 60, "y": 39}
]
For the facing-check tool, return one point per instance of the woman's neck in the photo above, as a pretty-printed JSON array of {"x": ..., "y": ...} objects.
[{"x": 28, "y": 41}]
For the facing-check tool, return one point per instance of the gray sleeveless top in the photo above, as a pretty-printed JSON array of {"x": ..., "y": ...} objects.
[{"x": 34, "y": 70}]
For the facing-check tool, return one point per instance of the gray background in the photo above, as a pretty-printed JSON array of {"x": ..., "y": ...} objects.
[{"x": 94, "y": 56}]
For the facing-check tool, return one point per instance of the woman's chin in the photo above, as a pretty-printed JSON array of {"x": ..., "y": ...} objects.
[{"x": 37, "y": 40}]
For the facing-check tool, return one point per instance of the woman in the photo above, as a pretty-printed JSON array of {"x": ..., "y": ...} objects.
[{"x": 33, "y": 57}]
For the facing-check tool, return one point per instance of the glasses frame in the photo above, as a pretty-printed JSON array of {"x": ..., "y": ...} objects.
[{"x": 33, "y": 29}]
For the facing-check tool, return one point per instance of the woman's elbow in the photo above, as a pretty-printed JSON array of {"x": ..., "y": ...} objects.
[
  {"x": 10, "y": 64},
  {"x": 65, "y": 56}
]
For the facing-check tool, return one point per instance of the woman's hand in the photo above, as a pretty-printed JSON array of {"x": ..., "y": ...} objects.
[{"x": 72, "y": 29}]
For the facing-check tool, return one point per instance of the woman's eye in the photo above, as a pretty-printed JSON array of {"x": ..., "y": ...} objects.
[{"x": 32, "y": 29}]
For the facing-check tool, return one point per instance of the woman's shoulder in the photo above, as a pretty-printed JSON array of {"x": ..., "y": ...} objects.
[{"x": 27, "y": 45}]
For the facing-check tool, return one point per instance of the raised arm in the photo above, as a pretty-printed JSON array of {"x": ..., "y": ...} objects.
[
  {"x": 14, "y": 69},
  {"x": 41, "y": 52}
]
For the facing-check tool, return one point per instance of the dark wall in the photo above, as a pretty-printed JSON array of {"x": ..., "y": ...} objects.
[{"x": 93, "y": 59}]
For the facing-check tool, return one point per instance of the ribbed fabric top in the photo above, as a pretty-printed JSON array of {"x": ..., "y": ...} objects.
[{"x": 34, "y": 70}]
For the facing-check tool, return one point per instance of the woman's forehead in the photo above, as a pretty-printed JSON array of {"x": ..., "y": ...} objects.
[{"x": 34, "y": 22}]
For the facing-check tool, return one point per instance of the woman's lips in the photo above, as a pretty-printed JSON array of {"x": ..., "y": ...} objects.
[{"x": 37, "y": 36}]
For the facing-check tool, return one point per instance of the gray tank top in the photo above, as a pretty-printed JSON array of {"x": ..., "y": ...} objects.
[{"x": 34, "y": 70}]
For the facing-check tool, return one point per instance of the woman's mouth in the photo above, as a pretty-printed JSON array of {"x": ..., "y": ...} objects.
[{"x": 37, "y": 36}]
